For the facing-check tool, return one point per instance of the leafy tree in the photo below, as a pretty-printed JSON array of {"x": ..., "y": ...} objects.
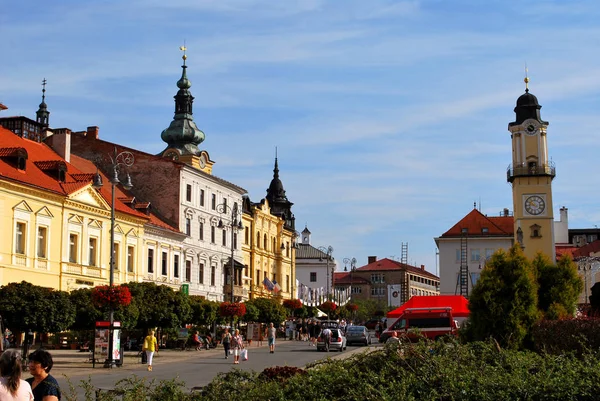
[
  {"x": 559, "y": 286},
  {"x": 251, "y": 313},
  {"x": 503, "y": 303},
  {"x": 159, "y": 306},
  {"x": 86, "y": 313},
  {"x": 26, "y": 306},
  {"x": 269, "y": 310},
  {"x": 204, "y": 312}
]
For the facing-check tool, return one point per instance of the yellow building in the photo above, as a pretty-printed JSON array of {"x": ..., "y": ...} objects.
[
  {"x": 531, "y": 176},
  {"x": 55, "y": 225},
  {"x": 269, "y": 244}
]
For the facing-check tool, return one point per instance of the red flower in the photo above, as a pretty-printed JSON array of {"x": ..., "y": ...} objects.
[
  {"x": 107, "y": 296},
  {"x": 352, "y": 307},
  {"x": 232, "y": 309},
  {"x": 328, "y": 306},
  {"x": 292, "y": 304}
]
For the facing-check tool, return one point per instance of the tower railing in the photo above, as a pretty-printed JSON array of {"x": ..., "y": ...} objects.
[{"x": 528, "y": 171}]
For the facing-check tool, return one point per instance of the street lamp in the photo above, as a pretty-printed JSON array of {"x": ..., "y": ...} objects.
[
  {"x": 118, "y": 161},
  {"x": 236, "y": 225},
  {"x": 328, "y": 251}
]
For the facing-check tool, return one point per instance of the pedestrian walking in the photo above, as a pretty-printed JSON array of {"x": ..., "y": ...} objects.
[
  {"x": 271, "y": 333},
  {"x": 12, "y": 387},
  {"x": 150, "y": 347},
  {"x": 226, "y": 341},
  {"x": 237, "y": 345},
  {"x": 44, "y": 386}
]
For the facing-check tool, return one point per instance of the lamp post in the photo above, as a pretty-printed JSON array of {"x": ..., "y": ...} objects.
[
  {"x": 352, "y": 262},
  {"x": 328, "y": 251},
  {"x": 236, "y": 225},
  {"x": 118, "y": 161}
]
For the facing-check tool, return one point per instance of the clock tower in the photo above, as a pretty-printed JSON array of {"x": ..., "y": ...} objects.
[{"x": 531, "y": 175}]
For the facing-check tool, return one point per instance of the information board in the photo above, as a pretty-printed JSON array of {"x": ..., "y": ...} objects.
[{"x": 254, "y": 331}]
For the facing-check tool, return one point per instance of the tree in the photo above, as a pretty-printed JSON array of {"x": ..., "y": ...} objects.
[
  {"x": 86, "y": 313},
  {"x": 26, "y": 306},
  {"x": 204, "y": 312},
  {"x": 559, "y": 286},
  {"x": 503, "y": 303},
  {"x": 269, "y": 310},
  {"x": 159, "y": 306}
]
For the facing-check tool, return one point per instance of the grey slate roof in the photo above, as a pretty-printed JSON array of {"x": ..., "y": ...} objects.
[{"x": 306, "y": 251}]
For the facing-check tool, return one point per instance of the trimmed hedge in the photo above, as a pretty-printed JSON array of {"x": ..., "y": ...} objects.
[{"x": 567, "y": 335}]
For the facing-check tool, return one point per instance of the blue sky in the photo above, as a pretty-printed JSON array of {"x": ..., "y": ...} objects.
[{"x": 390, "y": 117}]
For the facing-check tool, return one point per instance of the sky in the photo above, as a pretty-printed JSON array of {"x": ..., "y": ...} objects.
[{"x": 389, "y": 117}]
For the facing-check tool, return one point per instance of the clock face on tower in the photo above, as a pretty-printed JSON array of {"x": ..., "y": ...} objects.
[
  {"x": 531, "y": 128},
  {"x": 535, "y": 205}
]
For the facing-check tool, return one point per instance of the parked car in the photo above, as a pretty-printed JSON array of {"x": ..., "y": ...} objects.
[
  {"x": 418, "y": 323},
  {"x": 372, "y": 323},
  {"x": 358, "y": 334},
  {"x": 337, "y": 342}
]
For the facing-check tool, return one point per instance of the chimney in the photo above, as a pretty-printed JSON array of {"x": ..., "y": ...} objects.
[
  {"x": 92, "y": 132},
  {"x": 60, "y": 142},
  {"x": 564, "y": 215},
  {"x": 423, "y": 267},
  {"x": 505, "y": 212},
  {"x": 372, "y": 259}
]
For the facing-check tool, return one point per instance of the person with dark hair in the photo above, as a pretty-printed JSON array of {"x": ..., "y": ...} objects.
[
  {"x": 12, "y": 387},
  {"x": 44, "y": 386}
]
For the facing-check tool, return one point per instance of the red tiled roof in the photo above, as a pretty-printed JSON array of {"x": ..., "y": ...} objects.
[
  {"x": 32, "y": 175},
  {"x": 87, "y": 177},
  {"x": 49, "y": 164},
  {"x": 4, "y": 152},
  {"x": 586, "y": 250},
  {"x": 389, "y": 264},
  {"x": 347, "y": 278},
  {"x": 475, "y": 222}
]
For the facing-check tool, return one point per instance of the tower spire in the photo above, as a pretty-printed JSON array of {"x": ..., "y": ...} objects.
[
  {"x": 526, "y": 80},
  {"x": 43, "y": 115},
  {"x": 182, "y": 135}
]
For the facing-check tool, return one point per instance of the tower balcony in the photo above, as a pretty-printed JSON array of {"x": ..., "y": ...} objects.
[{"x": 530, "y": 170}]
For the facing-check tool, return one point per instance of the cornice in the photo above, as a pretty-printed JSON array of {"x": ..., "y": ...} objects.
[{"x": 33, "y": 191}]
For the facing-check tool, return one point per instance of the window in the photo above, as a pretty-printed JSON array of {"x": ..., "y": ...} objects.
[
  {"x": 265, "y": 241},
  {"x": 234, "y": 240},
  {"x": 474, "y": 278},
  {"x": 257, "y": 277},
  {"x": 224, "y": 237},
  {"x": 164, "y": 264},
  {"x": 258, "y": 240},
  {"x": 485, "y": 230},
  {"x": 93, "y": 252},
  {"x": 246, "y": 235},
  {"x": 458, "y": 256},
  {"x": 274, "y": 246},
  {"x": 201, "y": 273},
  {"x": 213, "y": 201},
  {"x": 287, "y": 249},
  {"x": 378, "y": 278},
  {"x": 42, "y": 242},
  {"x": 488, "y": 253},
  {"x": 287, "y": 283},
  {"x": 464, "y": 230},
  {"x": 212, "y": 234},
  {"x": 356, "y": 290},
  {"x": 313, "y": 277},
  {"x": 116, "y": 256},
  {"x": 378, "y": 291},
  {"x": 213, "y": 276},
  {"x": 176, "y": 266},
  {"x": 20, "y": 238},
  {"x": 201, "y": 231},
  {"x": 150, "y": 260},
  {"x": 188, "y": 226},
  {"x": 73, "y": 248},
  {"x": 188, "y": 270},
  {"x": 188, "y": 193},
  {"x": 475, "y": 255},
  {"x": 225, "y": 204},
  {"x": 130, "y": 258},
  {"x": 201, "y": 197}
]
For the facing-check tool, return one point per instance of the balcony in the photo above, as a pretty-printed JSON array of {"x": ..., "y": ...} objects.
[
  {"x": 238, "y": 291},
  {"x": 544, "y": 170}
]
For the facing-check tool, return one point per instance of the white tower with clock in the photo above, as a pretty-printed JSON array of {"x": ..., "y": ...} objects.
[{"x": 531, "y": 175}]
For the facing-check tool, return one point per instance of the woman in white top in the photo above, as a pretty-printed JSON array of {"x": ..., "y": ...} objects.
[{"x": 12, "y": 387}]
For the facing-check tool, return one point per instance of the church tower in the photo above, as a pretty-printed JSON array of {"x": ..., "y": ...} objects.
[
  {"x": 280, "y": 205},
  {"x": 183, "y": 136},
  {"x": 531, "y": 176}
]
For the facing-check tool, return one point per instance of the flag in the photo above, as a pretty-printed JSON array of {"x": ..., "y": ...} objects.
[
  {"x": 276, "y": 287},
  {"x": 268, "y": 284}
]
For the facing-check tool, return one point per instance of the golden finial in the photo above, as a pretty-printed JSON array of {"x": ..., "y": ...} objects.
[
  {"x": 526, "y": 80},
  {"x": 183, "y": 49}
]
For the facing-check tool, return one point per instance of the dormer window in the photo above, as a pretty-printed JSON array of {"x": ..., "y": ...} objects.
[
  {"x": 55, "y": 168},
  {"x": 62, "y": 173},
  {"x": 464, "y": 230},
  {"x": 484, "y": 230},
  {"x": 17, "y": 157}
]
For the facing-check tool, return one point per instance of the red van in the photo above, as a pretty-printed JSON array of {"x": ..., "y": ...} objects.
[{"x": 415, "y": 323}]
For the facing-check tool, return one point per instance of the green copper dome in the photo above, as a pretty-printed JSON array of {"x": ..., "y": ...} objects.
[{"x": 183, "y": 134}]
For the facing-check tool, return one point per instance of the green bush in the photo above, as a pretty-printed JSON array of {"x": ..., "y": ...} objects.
[
  {"x": 567, "y": 335},
  {"x": 478, "y": 371}
]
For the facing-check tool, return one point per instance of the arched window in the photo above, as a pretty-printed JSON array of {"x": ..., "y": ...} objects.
[
  {"x": 274, "y": 244},
  {"x": 265, "y": 241},
  {"x": 258, "y": 240}
]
